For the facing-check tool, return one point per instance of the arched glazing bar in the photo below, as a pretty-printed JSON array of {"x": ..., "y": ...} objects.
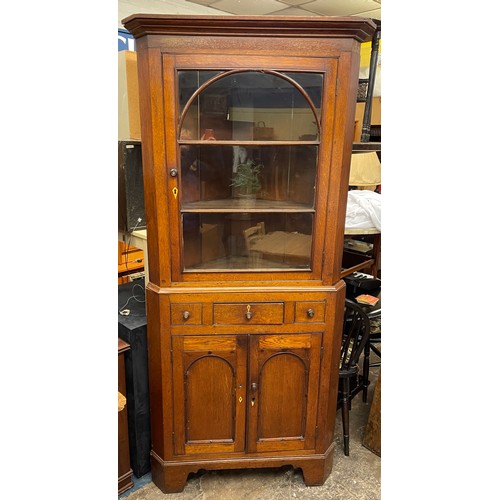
[{"x": 222, "y": 75}]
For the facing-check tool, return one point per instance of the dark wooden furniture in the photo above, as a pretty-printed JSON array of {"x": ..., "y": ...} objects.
[
  {"x": 373, "y": 430},
  {"x": 375, "y": 338},
  {"x": 353, "y": 261},
  {"x": 243, "y": 351},
  {"x": 374, "y": 313},
  {"x": 365, "y": 132},
  {"x": 124, "y": 471},
  {"x": 356, "y": 331}
]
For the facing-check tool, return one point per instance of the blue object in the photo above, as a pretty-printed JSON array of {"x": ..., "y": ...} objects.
[{"x": 125, "y": 40}]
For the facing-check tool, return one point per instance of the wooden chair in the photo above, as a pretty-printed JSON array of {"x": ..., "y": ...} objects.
[
  {"x": 373, "y": 345},
  {"x": 374, "y": 340},
  {"x": 355, "y": 335},
  {"x": 251, "y": 235}
]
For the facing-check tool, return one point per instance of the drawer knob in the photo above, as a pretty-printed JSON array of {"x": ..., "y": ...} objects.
[
  {"x": 248, "y": 314},
  {"x": 310, "y": 313},
  {"x": 173, "y": 172},
  {"x": 186, "y": 314},
  {"x": 254, "y": 386}
]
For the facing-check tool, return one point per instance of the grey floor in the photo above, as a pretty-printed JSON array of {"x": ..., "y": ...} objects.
[{"x": 356, "y": 477}]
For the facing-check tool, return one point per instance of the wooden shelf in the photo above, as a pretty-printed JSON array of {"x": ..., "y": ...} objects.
[
  {"x": 365, "y": 265},
  {"x": 246, "y": 142},
  {"x": 231, "y": 205},
  {"x": 366, "y": 146}
]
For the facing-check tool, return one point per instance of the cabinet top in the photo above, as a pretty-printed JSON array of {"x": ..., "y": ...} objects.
[{"x": 358, "y": 28}]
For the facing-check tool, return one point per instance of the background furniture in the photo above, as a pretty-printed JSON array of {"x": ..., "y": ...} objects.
[
  {"x": 369, "y": 142},
  {"x": 368, "y": 262},
  {"x": 365, "y": 133},
  {"x": 243, "y": 355},
  {"x": 355, "y": 334},
  {"x": 130, "y": 262},
  {"x": 365, "y": 173},
  {"x": 374, "y": 314},
  {"x": 375, "y": 340},
  {"x": 373, "y": 429},
  {"x": 133, "y": 330},
  {"x": 131, "y": 214},
  {"x": 282, "y": 246},
  {"x": 124, "y": 471},
  {"x": 135, "y": 241}
]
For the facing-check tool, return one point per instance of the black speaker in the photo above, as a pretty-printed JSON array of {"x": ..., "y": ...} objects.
[{"x": 131, "y": 213}]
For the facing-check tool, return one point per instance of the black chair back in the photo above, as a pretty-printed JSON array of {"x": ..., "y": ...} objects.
[{"x": 355, "y": 335}]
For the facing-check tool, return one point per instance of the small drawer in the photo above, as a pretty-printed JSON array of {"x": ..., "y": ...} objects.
[
  {"x": 249, "y": 313},
  {"x": 185, "y": 314},
  {"x": 310, "y": 312}
]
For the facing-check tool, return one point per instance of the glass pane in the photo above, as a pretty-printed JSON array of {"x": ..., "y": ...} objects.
[
  {"x": 219, "y": 177},
  {"x": 247, "y": 241},
  {"x": 250, "y": 105}
]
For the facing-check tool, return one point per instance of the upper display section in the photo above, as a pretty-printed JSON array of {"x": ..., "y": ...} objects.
[
  {"x": 248, "y": 100},
  {"x": 358, "y": 28},
  {"x": 247, "y": 126}
]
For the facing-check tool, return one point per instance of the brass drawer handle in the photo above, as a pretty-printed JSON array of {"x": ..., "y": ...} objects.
[
  {"x": 310, "y": 313},
  {"x": 186, "y": 314}
]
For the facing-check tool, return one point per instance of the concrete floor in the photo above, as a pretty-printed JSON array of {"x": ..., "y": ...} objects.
[{"x": 356, "y": 477}]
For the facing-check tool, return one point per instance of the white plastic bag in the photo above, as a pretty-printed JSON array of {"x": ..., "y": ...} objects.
[{"x": 363, "y": 209}]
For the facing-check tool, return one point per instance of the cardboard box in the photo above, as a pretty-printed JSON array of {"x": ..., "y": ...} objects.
[{"x": 129, "y": 123}]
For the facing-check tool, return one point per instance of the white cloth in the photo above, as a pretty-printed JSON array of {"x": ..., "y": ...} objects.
[{"x": 363, "y": 209}]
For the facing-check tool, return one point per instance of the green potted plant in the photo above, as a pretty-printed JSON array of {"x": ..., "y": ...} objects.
[{"x": 246, "y": 180}]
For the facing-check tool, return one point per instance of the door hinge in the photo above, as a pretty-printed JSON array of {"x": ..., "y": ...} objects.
[
  {"x": 173, "y": 438},
  {"x": 321, "y": 353},
  {"x": 337, "y": 86}
]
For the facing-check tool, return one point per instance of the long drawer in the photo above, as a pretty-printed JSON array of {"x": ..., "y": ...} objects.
[{"x": 253, "y": 313}]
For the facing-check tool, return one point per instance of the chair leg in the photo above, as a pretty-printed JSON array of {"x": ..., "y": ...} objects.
[
  {"x": 345, "y": 414},
  {"x": 366, "y": 372},
  {"x": 375, "y": 350}
]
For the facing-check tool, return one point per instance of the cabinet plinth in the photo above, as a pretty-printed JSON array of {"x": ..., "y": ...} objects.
[{"x": 247, "y": 126}]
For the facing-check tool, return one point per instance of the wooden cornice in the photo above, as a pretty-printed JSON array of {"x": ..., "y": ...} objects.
[{"x": 358, "y": 28}]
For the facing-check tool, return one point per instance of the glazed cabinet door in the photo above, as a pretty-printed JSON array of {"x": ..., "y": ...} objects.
[
  {"x": 249, "y": 170},
  {"x": 209, "y": 375},
  {"x": 283, "y": 391}
]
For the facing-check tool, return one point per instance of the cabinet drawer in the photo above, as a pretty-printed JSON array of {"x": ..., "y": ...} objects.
[
  {"x": 310, "y": 312},
  {"x": 185, "y": 314},
  {"x": 249, "y": 313}
]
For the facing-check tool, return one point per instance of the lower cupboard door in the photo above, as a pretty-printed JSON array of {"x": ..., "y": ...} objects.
[
  {"x": 283, "y": 392},
  {"x": 209, "y": 375}
]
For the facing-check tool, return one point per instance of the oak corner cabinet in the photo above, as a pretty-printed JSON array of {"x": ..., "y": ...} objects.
[{"x": 247, "y": 129}]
